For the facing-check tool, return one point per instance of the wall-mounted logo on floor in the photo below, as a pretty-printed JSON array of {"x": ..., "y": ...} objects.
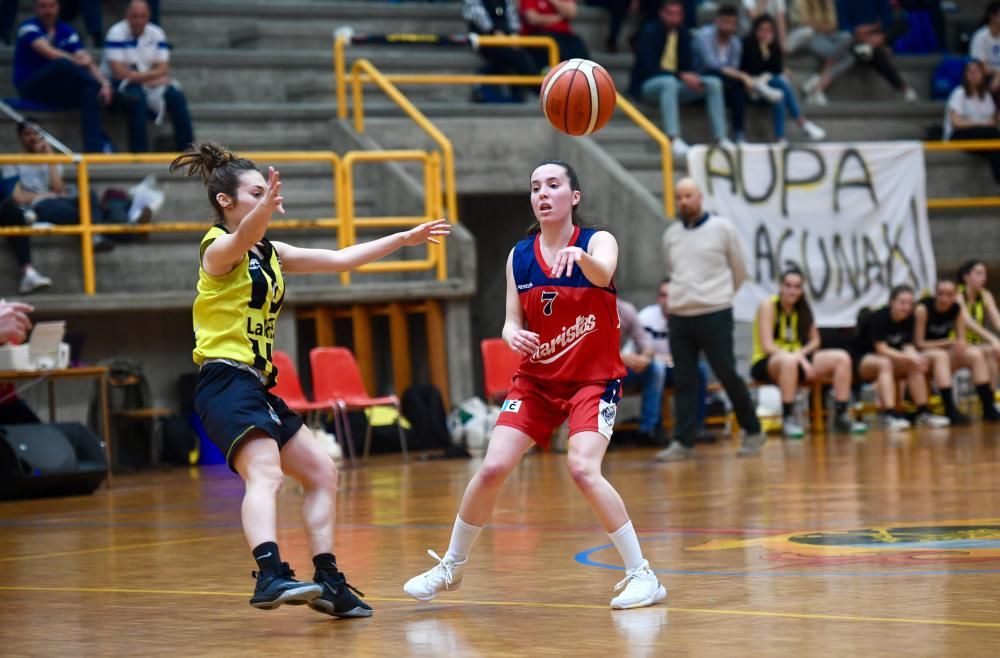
[{"x": 950, "y": 541}]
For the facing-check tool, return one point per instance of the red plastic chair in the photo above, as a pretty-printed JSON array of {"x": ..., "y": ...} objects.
[
  {"x": 337, "y": 380},
  {"x": 499, "y": 365},
  {"x": 289, "y": 386}
]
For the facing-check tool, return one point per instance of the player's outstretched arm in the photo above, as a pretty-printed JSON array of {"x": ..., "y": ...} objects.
[{"x": 301, "y": 260}]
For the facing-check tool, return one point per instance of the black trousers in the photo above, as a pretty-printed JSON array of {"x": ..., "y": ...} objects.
[
  {"x": 881, "y": 61},
  {"x": 982, "y": 132},
  {"x": 711, "y": 334},
  {"x": 570, "y": 46},
  {"x": 736, "y": 100}
]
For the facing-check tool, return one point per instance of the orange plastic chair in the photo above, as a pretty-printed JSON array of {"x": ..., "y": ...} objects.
[
  {"x": 499, "y": 365},
  {"x": 337, "y": 380}
]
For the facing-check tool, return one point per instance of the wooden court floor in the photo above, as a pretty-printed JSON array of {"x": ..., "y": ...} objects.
[{"x": 882, "y": 546}]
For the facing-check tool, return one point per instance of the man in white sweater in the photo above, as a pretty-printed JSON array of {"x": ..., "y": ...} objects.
[{"x": 705, "y": 265}]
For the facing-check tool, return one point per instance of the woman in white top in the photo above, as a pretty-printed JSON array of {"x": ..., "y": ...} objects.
[
  {"x": 985, "y": 44},
  {"x": 972, "y": 114}
]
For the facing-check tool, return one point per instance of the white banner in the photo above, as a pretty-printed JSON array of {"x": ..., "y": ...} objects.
[{"x": 852, "y": 217}]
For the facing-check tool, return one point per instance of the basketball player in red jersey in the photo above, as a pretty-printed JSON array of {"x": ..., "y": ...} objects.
[{"x": 561, "y": 317}]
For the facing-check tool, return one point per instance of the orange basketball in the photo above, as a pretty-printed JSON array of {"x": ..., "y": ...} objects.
[{"x": 578, "y": 97}]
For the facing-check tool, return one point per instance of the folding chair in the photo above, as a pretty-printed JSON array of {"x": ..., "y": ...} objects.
[
  {"x": 499, "y": 365},
  {"x": 337, "y": 378}
]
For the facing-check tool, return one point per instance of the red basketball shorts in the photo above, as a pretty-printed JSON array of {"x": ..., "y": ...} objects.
[{"x": 538, "y": 407}]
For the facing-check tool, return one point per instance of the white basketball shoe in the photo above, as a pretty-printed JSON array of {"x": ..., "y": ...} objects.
[
  {"x": 447, "y": 575},
  {"x": 641, "y": 588}
]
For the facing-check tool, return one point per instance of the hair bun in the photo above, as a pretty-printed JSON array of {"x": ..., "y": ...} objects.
[{"x": 202, "y": 159}]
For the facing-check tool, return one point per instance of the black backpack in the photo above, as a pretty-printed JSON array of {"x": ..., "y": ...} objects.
[{"x": 423, "y": 407}]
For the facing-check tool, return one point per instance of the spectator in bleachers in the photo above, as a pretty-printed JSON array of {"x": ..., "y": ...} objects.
[
  {"x": 763, "y": 65},
  {"x": 787, "y": 353},
  {"x": 91, "y": 10},
  {"x": 777, "y": 9},
  {"x": 982, "y": 317},
  {"x": 14, "y": 328},
  {"x": 52, "y": 67},
  {"x": 551, "y": 18},
  {"x": 14, "y": 321},
  {"x": 884, "y": 352},
  {"x": 499, "y": 17},
  {"x": 718, "y": 50},
  {"x": 137, "y": 57},
  {"x": 817, "y": 27},
  {"x": 655, "y": 322},
  {"x": 869, "y": 21},
  {"x": 939, "y": 324},
  {"x": 664, "y": 73},
  {"x": 971, "y": 113},
  {"x": 642, "y": 369},
  {"x": 618, "y": 11},
  {"x": 38, "y": 197},
  {"x": 8, "y": 15},
  {"x": 935, "y": 14},
  {"x": 985, "y": 45}
]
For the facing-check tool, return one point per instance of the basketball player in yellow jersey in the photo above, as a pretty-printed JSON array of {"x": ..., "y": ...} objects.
[
  {"x": 240, "y": 292},
  {"x": 787, "y": 354},
  {"x": 981, "y": 314}
]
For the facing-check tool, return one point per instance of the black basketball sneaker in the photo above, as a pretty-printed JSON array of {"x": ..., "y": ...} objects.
[
  {"x": 338, "y": 598},
  {"x": 280, "y": 587}
]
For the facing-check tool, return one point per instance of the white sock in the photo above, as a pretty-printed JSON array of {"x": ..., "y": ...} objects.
[
  {"x": 463, "y": 536},
  {"x": 627, "y": 543}
]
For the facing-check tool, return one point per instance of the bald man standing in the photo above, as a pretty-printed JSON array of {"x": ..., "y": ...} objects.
[{"x": 705, "y": 265}]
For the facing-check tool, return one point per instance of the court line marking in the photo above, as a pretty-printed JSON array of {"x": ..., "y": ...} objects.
[
  {"x": 540, "y": 604},
  {"x": 111, "y": 549}
]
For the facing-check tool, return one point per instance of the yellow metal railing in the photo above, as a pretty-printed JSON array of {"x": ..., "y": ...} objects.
[
  {"x": 343, "y": 218},
  {"x": 363, "y": 66},
  {"x": 485, "y": 41},
  {"x": 367, "y": 72},
  {"x": 432, "y": 209},
  {"x": 666, "y": 154},
  {"x": 954, "y": 203}
]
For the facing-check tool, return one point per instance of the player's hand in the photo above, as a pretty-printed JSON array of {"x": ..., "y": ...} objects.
[
  {"x": 692, "y": 81},
  {"x": 565, "y": 258},
  {"x": 106, "y": 94},
  {"x": 807, "y": 369},
  {"x": 426, "y": 232},
  {"x": 524, "y": 342},
  {"x": 82, "y": 58},
  {"x": 637, "y": 363},
  {"x": 920, "y": 361},
  {"x": 272, "y": 199}
]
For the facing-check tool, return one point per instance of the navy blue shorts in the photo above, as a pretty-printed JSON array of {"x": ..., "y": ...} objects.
[{"x": 232, "y": 402}]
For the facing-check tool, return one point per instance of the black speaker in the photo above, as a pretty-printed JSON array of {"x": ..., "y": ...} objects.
[{"x": 62, "y": 459}]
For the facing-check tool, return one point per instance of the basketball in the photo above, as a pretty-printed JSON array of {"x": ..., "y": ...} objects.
[{"x": 578, "y": 97}]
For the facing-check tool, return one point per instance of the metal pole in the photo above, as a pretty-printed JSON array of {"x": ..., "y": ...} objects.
[{"x": 46, "y": 135}]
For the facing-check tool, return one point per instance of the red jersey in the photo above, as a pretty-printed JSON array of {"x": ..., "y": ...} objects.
[
  {"x": 545, "y": 8},
  {"x": 576, "y": 321}
]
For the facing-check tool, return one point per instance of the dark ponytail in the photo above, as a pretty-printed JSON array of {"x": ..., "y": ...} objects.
[
  {"x": 219, "y": 168},
  {"x": 966, "y": 268},
  {"x": 574, "y": 184}
]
